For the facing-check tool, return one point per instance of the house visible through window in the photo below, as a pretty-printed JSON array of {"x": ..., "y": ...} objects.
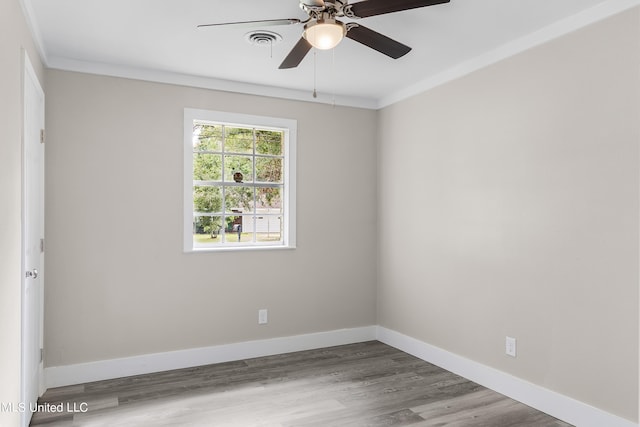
[{"x": 239, "y": 181}]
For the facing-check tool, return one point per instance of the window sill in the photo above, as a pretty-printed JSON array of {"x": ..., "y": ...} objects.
[{"x": 238, "y": 249}]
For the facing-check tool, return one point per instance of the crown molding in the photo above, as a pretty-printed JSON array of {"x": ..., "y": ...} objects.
[
  {"x": 36, "y": 35},
  {"x": 597, "y": 13},
  {"x": 159, "y": 76},
  {"x": 590, "y": 16}
]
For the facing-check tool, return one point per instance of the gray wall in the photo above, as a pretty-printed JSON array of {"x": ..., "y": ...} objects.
[
  {"x": 525, "y": 178},
  {"x": 118, "y": 283},
  {"x": 524, "y": 175},
  {"x": 14, "y": 36}
]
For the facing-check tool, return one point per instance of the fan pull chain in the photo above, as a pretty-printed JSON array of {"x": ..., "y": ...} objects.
[
  {"x": 315, "y": 94},
  {"x": 333, "y": 75}
]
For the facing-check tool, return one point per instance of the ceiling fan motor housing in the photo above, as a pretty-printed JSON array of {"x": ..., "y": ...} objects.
[{"x": 319, "y": 6}]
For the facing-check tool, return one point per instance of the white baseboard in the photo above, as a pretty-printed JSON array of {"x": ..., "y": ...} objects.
[
  {"x": 565, "y": 408},
  {"x": 562, "y": 407},
  {"x": 58, "y": 376}
]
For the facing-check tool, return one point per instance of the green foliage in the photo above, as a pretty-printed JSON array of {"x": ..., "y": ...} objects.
[
  {"x": 236, "y": 150},
  {"x": 238, "y": 140},
  {"x": 268, "y": 169},
  {"x": 206, "y": 167},
  {"x": 234, "y": 164},
  {"x": 269, "y": 142},
  {"x": 269, "y": 197},
  {"x": 239, "y": 198},
  {"x": 209, "y": 200},
  {"x": 207, "y": 137},
  {"x": 211, "y": 225}
]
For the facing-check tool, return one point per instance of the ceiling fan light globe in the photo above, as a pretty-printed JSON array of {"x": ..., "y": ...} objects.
[{"x": 324, "y": 34}]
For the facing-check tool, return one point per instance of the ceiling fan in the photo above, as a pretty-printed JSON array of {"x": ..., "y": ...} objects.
[{"x": 323, "y": 31}]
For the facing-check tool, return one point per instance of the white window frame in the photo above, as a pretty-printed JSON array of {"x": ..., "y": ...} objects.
[{"x": 289, "y": 127}]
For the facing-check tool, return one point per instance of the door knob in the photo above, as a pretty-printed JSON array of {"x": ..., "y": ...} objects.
[{"x": 32, "y": 274}]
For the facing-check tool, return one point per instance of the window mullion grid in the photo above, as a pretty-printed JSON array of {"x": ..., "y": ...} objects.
[
  {"x": 284, "y": 199},
  {"x": 254, "y": 185},
  {"x": 255, "y": 175},
  {"x": 224, "y": 187}
]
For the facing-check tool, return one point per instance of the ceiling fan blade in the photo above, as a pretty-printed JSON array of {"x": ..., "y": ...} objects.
[
  {"x": 367, "y": 8},
  {"x": 377, "y": 41},
  {"x": 296, "y": 55},
  {"x": 263, "y": 23}
]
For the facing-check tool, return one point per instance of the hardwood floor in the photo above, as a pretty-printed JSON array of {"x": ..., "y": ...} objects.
[{"x": 365, "y": 384}]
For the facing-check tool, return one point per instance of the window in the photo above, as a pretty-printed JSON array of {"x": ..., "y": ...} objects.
[{"x": 239, "y": 184}]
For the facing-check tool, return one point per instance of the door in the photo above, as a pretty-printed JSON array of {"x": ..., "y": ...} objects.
[{"x": 32, "y": 239}]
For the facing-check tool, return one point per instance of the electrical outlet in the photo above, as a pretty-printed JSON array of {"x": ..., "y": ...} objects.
[
  {"x": 510, "y": 346},
  {"x": 263, "y": 316}
]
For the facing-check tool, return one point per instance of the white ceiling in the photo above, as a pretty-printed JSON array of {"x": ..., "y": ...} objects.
[{"x": 158, "y": 40}]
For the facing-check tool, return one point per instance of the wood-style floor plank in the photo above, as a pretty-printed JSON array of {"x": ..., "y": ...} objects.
[{"x": 365, "y": 384}]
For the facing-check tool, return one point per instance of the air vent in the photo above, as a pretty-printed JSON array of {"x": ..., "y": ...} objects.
[{"x": 263, "y": 38}]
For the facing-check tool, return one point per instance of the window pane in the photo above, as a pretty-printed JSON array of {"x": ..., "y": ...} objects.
[
  {"x": 207, "y": 167},
  {"x": 269, "y": 142},
  {"x": 207, "y": 199},
  {"x": 268, "y": 228},
  {"x": 238, "y": 140},
  {"x": 238, "y": 199},
  {"x": 207, "y": 231},
  {"x": 242, "y": 164},
  {"x": 268, "y": 169},
  {"x": 207, "y": 137},
  {"x": 269, "y": 200},
  {"x": 238, "y": 229}
]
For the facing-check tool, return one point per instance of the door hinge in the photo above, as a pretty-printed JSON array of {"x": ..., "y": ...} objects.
[
  {"x": 41, "y": 355},
  {"x": 41, "y": 245},
  {"x": 41, "y": 136}
]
